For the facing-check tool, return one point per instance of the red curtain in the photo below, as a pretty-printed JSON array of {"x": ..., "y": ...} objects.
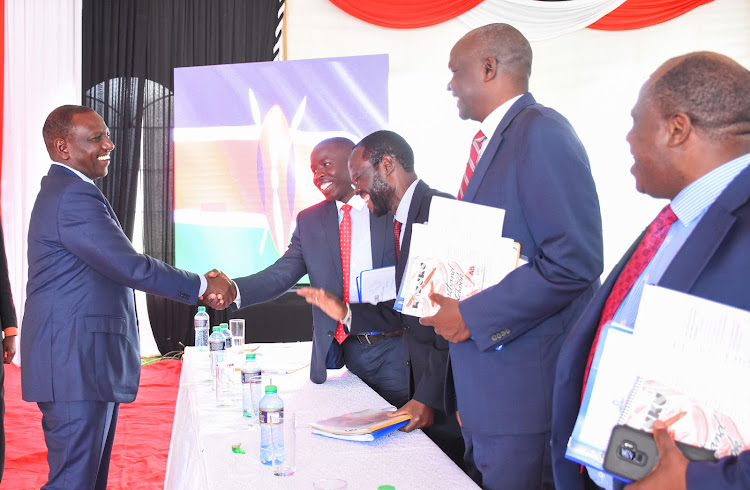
[
  {"x": 636, "y": 14},
  {"x": 2, "y": 81},
  {"x": 405, "y": 14}
]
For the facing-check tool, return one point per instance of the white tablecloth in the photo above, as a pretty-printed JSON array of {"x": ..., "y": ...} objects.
[{"x": 201, "y": 457}]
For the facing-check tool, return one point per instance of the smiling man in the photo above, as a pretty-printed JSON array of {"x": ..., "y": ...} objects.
[
  {"x": 80, "y": 343},
  {"x": 504, "y": 341},
  {"x": 333, "y": 242},
  {"x": 691, "y": 144}
]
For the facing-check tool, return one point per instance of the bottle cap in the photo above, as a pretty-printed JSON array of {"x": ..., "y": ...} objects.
[
  {"x": 270, "y": 389},
  {"x": 201, "y": 308},
  {"x": 216, "y": 329},
  {"x": 249, "y": 357},
  {"x": 225, "y": 325},
  {"x": 386, "y": 487}
]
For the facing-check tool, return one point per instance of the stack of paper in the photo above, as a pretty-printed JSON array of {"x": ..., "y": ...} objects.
[
  {"x": 458, "y": 253},
  {"x": 365, "y": 425},
  {"x": 678, "y": 365}
]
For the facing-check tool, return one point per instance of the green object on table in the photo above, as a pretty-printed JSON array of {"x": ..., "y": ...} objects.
[
  {"x": 386, "y": 487},
  {"x": 237, "y": 449}
]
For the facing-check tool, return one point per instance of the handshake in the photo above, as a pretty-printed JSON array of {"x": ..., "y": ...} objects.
[{"x": 220, "y": 290}]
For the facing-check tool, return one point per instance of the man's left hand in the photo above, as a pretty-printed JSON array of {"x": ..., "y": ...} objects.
[
  {"x": 448, "y": 321},
  {"x": 330, "y": 304},
  {"x": 9, "y": 349},
  {"x": 421, "y": 415},
  {"x": 671, "y": 469}
]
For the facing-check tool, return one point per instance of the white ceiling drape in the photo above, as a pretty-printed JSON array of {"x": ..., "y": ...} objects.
[{"x": 540, "y": 20}]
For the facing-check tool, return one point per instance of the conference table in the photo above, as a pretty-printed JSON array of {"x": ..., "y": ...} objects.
[{"x": 201, "y": 452}]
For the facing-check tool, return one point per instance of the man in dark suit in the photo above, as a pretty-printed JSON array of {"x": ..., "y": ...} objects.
[
  {"x": 504, "y": 340},
  {"x": 691, "y": 144},
  {"x": 382, "y": 169},
  {"x": 80, "y": 343},
  {"x": 373, "y": 349},
  {"x": 9, "y": 326}
]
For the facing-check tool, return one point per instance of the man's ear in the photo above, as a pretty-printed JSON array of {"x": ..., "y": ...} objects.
[
  {"x": 490, "y": 68},
  {"x": 60, "y": 147},
  {"x": 680, "y": 126},
  {"x": 387, "y": 165}
]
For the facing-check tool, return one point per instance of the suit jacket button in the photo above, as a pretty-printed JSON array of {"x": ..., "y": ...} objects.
[
  {"x": 330, "y": 333},
  {"x": 494, "y": 337}
]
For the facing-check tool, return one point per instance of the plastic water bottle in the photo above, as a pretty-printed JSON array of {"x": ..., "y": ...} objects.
[
  {"x": 200, "y": 321},
  {"x": 271, "y": 418},
  {"x": 217, "y": 345},
  {"x": 228, "y": 336},
  {"x": 251, "y": 387}
]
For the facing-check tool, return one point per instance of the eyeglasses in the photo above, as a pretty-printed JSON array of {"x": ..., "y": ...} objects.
[{"x": 355, "y": 180}]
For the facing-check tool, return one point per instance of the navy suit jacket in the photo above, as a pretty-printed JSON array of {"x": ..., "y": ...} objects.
[
  {"x": 427, "y": 352},
  {"x": 534, "y": 167},
  {"x": 80, "y": 336},
  {"x": 314, "y": 250},
  {"x": 713, "y": 263}
]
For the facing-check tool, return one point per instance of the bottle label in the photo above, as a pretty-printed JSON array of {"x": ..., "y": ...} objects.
[
  {"x": 201, "y": 323},
  {"x": 271, "y": 416},
  {"x": 217, "y": 345}
]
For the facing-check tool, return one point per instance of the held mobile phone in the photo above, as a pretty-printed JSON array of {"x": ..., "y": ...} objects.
[{"x": 632, "y": 453}]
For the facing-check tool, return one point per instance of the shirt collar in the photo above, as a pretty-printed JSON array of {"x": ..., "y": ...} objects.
[
  {"x": 690, "y": 203},
  {"x": 490, "y": 123},
  {"x": 402, "y": 211},
  {"x": 83, "y": 177},
  {"x": 356, "y": 202}
]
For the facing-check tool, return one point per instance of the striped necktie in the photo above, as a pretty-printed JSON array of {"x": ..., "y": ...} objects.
[{"x": 476, "y": 146}]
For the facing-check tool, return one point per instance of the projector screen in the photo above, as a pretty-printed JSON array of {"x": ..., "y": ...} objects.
[{"x": 243, "y": 137}]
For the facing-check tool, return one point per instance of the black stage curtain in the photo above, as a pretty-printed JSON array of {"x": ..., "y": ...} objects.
[{"x": 130, "y": 49}]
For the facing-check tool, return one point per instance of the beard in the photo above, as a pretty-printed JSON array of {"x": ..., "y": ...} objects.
[{"x": 381, "y": 196}]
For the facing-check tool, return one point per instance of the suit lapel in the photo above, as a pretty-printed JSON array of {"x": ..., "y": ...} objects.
[
  {"x": 330, "y": 224},
  {"x": 709, "y": 233},
  {"x": 378, "y": 232},
  {"x": 494, "y": 144}
]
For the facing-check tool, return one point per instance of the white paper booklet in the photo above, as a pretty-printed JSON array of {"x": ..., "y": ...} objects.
[
  {"x": 686, "y": 363},
  {"x": 457, "y": 254}
]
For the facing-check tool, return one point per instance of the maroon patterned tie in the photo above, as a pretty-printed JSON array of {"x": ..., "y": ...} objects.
[
  {"x": 476, "y": 145},
  {"x": 397, "y": 236},
  {"x": 650, "y": 243},
  {"x": 345, "y": 241}
]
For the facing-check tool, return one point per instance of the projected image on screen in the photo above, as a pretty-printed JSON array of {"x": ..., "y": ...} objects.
[{"x": 243, "y": 137}]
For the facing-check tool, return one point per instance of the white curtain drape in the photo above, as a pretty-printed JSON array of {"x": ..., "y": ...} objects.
[
  {"x": 42, "y": 71},
  {"x": 540, "y": 20}
]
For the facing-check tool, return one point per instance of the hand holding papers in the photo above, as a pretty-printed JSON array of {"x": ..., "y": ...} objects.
[
  {"x": 459, "y": 253},
  {"x": 365, "y": 425},
  {"x": 688, "y": 352}
]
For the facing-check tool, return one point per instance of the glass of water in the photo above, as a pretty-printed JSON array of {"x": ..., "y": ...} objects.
[{"x": 237, "y": 328}]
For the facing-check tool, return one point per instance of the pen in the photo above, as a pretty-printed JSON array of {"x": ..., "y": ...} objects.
[{"x": 674, "y": 418}]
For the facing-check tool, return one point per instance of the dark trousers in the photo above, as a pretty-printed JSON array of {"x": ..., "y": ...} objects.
[
  {"x": 2, "y": 419},
  {"x": 79, "y": 437},
  {"x": 446, "y": 434},
  {"x": 509, "y": 462},
  {"x": 381, "y": 365}
]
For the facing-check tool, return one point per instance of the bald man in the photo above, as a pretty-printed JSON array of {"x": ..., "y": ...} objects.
[{"x": 691, "y": 144}]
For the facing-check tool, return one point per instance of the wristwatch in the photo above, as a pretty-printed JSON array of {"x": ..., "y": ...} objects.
[{"x": 347, "y": 320}]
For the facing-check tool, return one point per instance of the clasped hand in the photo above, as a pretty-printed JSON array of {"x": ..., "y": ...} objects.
[{"x": 220, "y": 291}]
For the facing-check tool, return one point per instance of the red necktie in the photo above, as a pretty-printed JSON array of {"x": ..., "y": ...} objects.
[
  {"x": 650, "y": 243},
  {"x": 397, "y": 236},
  {"x": 476, "y": 145},
  {"x": 345, "y": 242}
]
